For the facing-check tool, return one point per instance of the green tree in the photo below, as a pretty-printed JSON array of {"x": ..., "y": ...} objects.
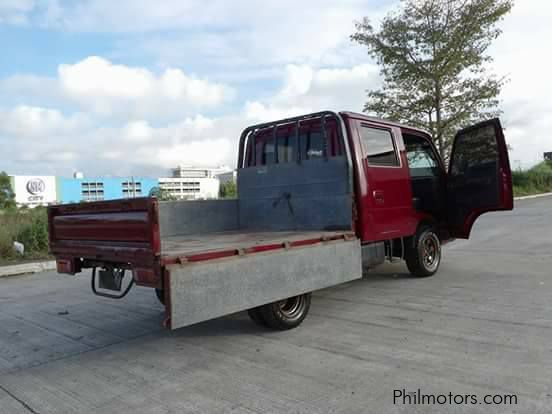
[
  {"x": 434, "y": 64},
  {"x": 228, "y": 189},
  {"x": 162, "y": 194},
  {"x": 7, "y": 196}
]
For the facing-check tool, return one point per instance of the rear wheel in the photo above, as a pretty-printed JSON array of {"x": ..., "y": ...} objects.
[
  {"x": 284, "y": 314},
  {"x": 424, "y": 255}
]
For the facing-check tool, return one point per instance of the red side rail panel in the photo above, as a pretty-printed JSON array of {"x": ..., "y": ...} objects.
[{"x": 119, "y": 232}]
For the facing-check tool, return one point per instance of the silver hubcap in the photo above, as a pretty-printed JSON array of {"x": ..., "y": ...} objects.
[
  {"x": 431, "y": 251},
  {"x": 291, "y": 307}
]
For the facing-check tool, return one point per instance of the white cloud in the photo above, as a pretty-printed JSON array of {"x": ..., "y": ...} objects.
[
  {"x": 520, "y": 54},
  {"x": 237, "y": 33},
  {"x": 95, "y": 77},
  {"x": 118, "y": 91},
  {"x": 106, "y": 88},
  {"x": 263, "y": 112},
  {"x": 32, "y": 122},
  {"x": 43, "y": 140},
  {"x": 39, "y": 139},
  {"x": 15, "y": 11},
  {"x": 306, "y": 89},
  {"x": 137, "y": 131}
]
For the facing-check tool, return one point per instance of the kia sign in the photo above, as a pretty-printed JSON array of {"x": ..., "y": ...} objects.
[{"x": 34, "y": 190}]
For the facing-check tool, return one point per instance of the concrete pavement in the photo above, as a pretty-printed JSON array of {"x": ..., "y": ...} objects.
[{"x": 482, "y": 325}]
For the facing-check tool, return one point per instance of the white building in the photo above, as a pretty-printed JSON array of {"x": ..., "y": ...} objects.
[
  {"x": 34, "y": 190},
  {"x": 198, "y": 172},
  {"x": 229, "y": 176},
  {"x": 192, "y": 183}
]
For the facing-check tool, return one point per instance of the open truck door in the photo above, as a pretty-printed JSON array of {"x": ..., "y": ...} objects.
[{"x": 479, "y": 176}]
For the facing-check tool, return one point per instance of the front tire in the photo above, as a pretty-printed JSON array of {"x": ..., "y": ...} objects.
[{"x": 424, "y": 255}]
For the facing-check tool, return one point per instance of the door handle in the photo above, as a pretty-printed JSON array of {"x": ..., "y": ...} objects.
[{"x": 378, "y": 196}]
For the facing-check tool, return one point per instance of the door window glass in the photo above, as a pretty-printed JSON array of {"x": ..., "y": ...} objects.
[
  {"x": 422, "y": 160},
  {"x": 476, "y": 153},
  {"x": 378, "y": 147}
]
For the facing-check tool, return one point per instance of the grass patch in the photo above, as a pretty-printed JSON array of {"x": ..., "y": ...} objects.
[
  {"x": 27, "y": 226},
  {"x": 533, "y": 181}
]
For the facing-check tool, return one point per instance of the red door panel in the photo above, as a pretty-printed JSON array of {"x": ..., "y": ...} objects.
[
  {"x": 479, "y": 178},
  {"x": 387, "y": 204}
]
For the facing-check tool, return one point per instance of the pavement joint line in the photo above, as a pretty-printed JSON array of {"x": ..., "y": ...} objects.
[{"x": 19, "y": 400}]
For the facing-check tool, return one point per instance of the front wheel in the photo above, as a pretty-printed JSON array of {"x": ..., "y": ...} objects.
[
  {"x": 283, "y": 314},
  {"x": 424, "y": 255}
]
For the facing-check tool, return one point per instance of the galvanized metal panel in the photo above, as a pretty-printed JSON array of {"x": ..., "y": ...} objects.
[
  {"x": 200, "y": 216},
  {"x": 311, "y": 195},
  {"x": 207, "y": 290}
]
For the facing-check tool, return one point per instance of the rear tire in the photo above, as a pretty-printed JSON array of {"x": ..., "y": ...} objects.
[
  {"x": 287, "y": 313},
  {"x": 423, "y": 257},
  {"x": 160, "y": 293}
]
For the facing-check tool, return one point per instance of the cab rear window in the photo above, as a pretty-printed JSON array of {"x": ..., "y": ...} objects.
[{"x": 290, "y": 147}]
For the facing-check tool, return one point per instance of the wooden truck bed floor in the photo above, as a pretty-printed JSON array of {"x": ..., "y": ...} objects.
[{"x": 200, "y": 247}]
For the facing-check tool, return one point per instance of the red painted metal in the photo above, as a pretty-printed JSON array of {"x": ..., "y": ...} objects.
[
  {"x": 383, "y": 194},
  {"x": 67, "y": 265},
  {"x": 122, "y": 232},
  {"x": 147, "y": 277},
  {"x": 506, "y": 201},
  {"x": 128, "y": 226}
]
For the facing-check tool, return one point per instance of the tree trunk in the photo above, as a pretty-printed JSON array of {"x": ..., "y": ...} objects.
[{"x": 439, "y": 128}]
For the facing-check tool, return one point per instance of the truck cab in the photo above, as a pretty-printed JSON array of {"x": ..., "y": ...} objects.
[
  {"x": 320, "y": 197},
  {"x": 401, "y": 186}
]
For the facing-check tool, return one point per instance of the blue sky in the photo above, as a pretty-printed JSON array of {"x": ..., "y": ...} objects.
[{"x": 136, "y": 87}]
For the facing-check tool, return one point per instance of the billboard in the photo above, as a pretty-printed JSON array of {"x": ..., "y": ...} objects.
[{"x": 34, "y": 189}]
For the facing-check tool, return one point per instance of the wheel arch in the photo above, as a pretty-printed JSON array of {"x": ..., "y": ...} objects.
[{"x": 424, "y": 221}]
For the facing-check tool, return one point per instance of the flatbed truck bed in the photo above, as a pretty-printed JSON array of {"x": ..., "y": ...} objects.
[{"x": 201, "y": 267}]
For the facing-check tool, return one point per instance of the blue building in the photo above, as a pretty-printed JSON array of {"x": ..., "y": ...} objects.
[{"x": 74, "y": 190}]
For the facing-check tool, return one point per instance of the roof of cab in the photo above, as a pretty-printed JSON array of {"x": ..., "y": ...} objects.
[{"x": 365, "y": 117}]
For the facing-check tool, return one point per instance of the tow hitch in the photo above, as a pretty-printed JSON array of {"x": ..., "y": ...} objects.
[{"x": 110, "y": 278}]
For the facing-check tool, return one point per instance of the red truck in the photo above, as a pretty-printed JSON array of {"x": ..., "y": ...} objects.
[{"x": 320, "y": 197}]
